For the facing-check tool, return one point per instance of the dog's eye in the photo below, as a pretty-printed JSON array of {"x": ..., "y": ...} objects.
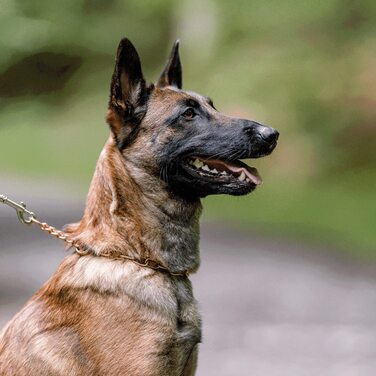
[{"x": 189, "y": 113}]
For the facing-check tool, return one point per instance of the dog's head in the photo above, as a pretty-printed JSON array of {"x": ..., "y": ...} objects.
[{"x": 179, "y": 136}]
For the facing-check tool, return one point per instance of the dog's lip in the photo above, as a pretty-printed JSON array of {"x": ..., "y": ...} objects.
[{"x": 236, "y": 169}]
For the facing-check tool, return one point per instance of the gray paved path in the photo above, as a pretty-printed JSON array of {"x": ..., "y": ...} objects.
[{"x": 269, "y": 309}]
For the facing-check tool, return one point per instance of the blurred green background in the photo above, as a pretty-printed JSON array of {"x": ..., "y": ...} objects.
[{"x": 306, "y": 68}]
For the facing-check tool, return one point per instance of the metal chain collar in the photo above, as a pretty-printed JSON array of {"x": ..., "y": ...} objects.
[{"x": 28, "y": 217}]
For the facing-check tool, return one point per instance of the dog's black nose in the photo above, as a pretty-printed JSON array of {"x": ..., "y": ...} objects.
[{"x": 269, "y": 134}]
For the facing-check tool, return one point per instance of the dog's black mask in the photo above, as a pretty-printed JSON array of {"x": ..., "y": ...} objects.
[
  {"x": 195, "y": 149},
  {"x": 203, "y": 155}
]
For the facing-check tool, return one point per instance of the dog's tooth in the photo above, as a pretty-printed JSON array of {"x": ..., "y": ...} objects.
[
  {"x": 247, "y": 180},
  {"x": 242, "y": 176},
  {"x": 224, "y": 173},
  {"x": 205, "y": 167},
  {"x": 197, "y": 163},
  {"x": 215, "y": 171}
]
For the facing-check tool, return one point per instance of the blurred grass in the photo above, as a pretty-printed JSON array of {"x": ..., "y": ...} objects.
[
  {"x": 306, "y": 68},
  {"x": 322, "y": 215}
]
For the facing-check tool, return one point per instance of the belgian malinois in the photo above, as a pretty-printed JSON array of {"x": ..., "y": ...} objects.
[{"x": 123, "y": 303}]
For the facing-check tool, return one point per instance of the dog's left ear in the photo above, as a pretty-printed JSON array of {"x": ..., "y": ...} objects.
[
  {"x": 128, "y": 96},
  {"x": 172, "y": 73}
]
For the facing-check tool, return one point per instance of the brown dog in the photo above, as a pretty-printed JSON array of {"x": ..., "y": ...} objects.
[{"x": 123, "y": 305}]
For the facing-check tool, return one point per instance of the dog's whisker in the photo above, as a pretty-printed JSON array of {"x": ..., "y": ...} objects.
[{"x": 218, "y": 155}]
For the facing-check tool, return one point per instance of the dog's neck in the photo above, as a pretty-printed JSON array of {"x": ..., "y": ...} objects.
[{"x": 131, "y": 212}]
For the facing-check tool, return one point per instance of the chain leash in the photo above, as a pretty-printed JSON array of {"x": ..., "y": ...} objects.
[{"x": 28, "y": 217}]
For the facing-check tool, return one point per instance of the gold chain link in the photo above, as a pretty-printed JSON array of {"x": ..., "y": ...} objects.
[
  {"x": 27, "y": 217},
  {"x": 55, "y": 232}
]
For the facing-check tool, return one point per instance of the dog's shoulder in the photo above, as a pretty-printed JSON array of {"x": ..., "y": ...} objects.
[{"x": 33, "y": 343}]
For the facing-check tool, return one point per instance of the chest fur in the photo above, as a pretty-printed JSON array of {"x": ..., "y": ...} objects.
[
  {"x": 102, "y": 317},
  {"x": 134, "y": 320}
]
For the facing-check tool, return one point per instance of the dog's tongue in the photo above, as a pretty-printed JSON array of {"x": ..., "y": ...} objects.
[{"x": 251, "y": 173}]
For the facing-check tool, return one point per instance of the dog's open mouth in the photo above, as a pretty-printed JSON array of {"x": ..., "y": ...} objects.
[{"x": 223, "y": 171}]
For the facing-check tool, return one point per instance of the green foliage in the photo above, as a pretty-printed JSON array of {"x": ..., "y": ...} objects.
[{"x": 307, "y": 68}]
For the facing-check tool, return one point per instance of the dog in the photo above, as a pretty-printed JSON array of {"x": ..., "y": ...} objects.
[{"x": 122, "y": 304}]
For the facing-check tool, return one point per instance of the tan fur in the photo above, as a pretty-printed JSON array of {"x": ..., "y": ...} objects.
[
  {"x": 97, "y": 316},
  {"x": 101, "y": 316}
]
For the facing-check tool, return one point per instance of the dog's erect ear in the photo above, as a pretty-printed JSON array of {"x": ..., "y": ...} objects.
[
  {"x": 172, "y": 73},
  {"x": 128, "y": 93}
]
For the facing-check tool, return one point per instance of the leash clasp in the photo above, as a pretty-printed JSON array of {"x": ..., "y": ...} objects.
[
  {"x": 25, "y": 216},
  {"x": 28, "y": 217}
]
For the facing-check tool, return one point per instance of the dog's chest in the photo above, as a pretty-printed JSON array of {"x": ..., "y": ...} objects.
[
  {"x": 150, "y": 321},
  {"x": 144, "y": 341},
  {"x": 180, "y": 323},
  {"x": 175, "y": 327},
  {"x": 188, "y": 328}
]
